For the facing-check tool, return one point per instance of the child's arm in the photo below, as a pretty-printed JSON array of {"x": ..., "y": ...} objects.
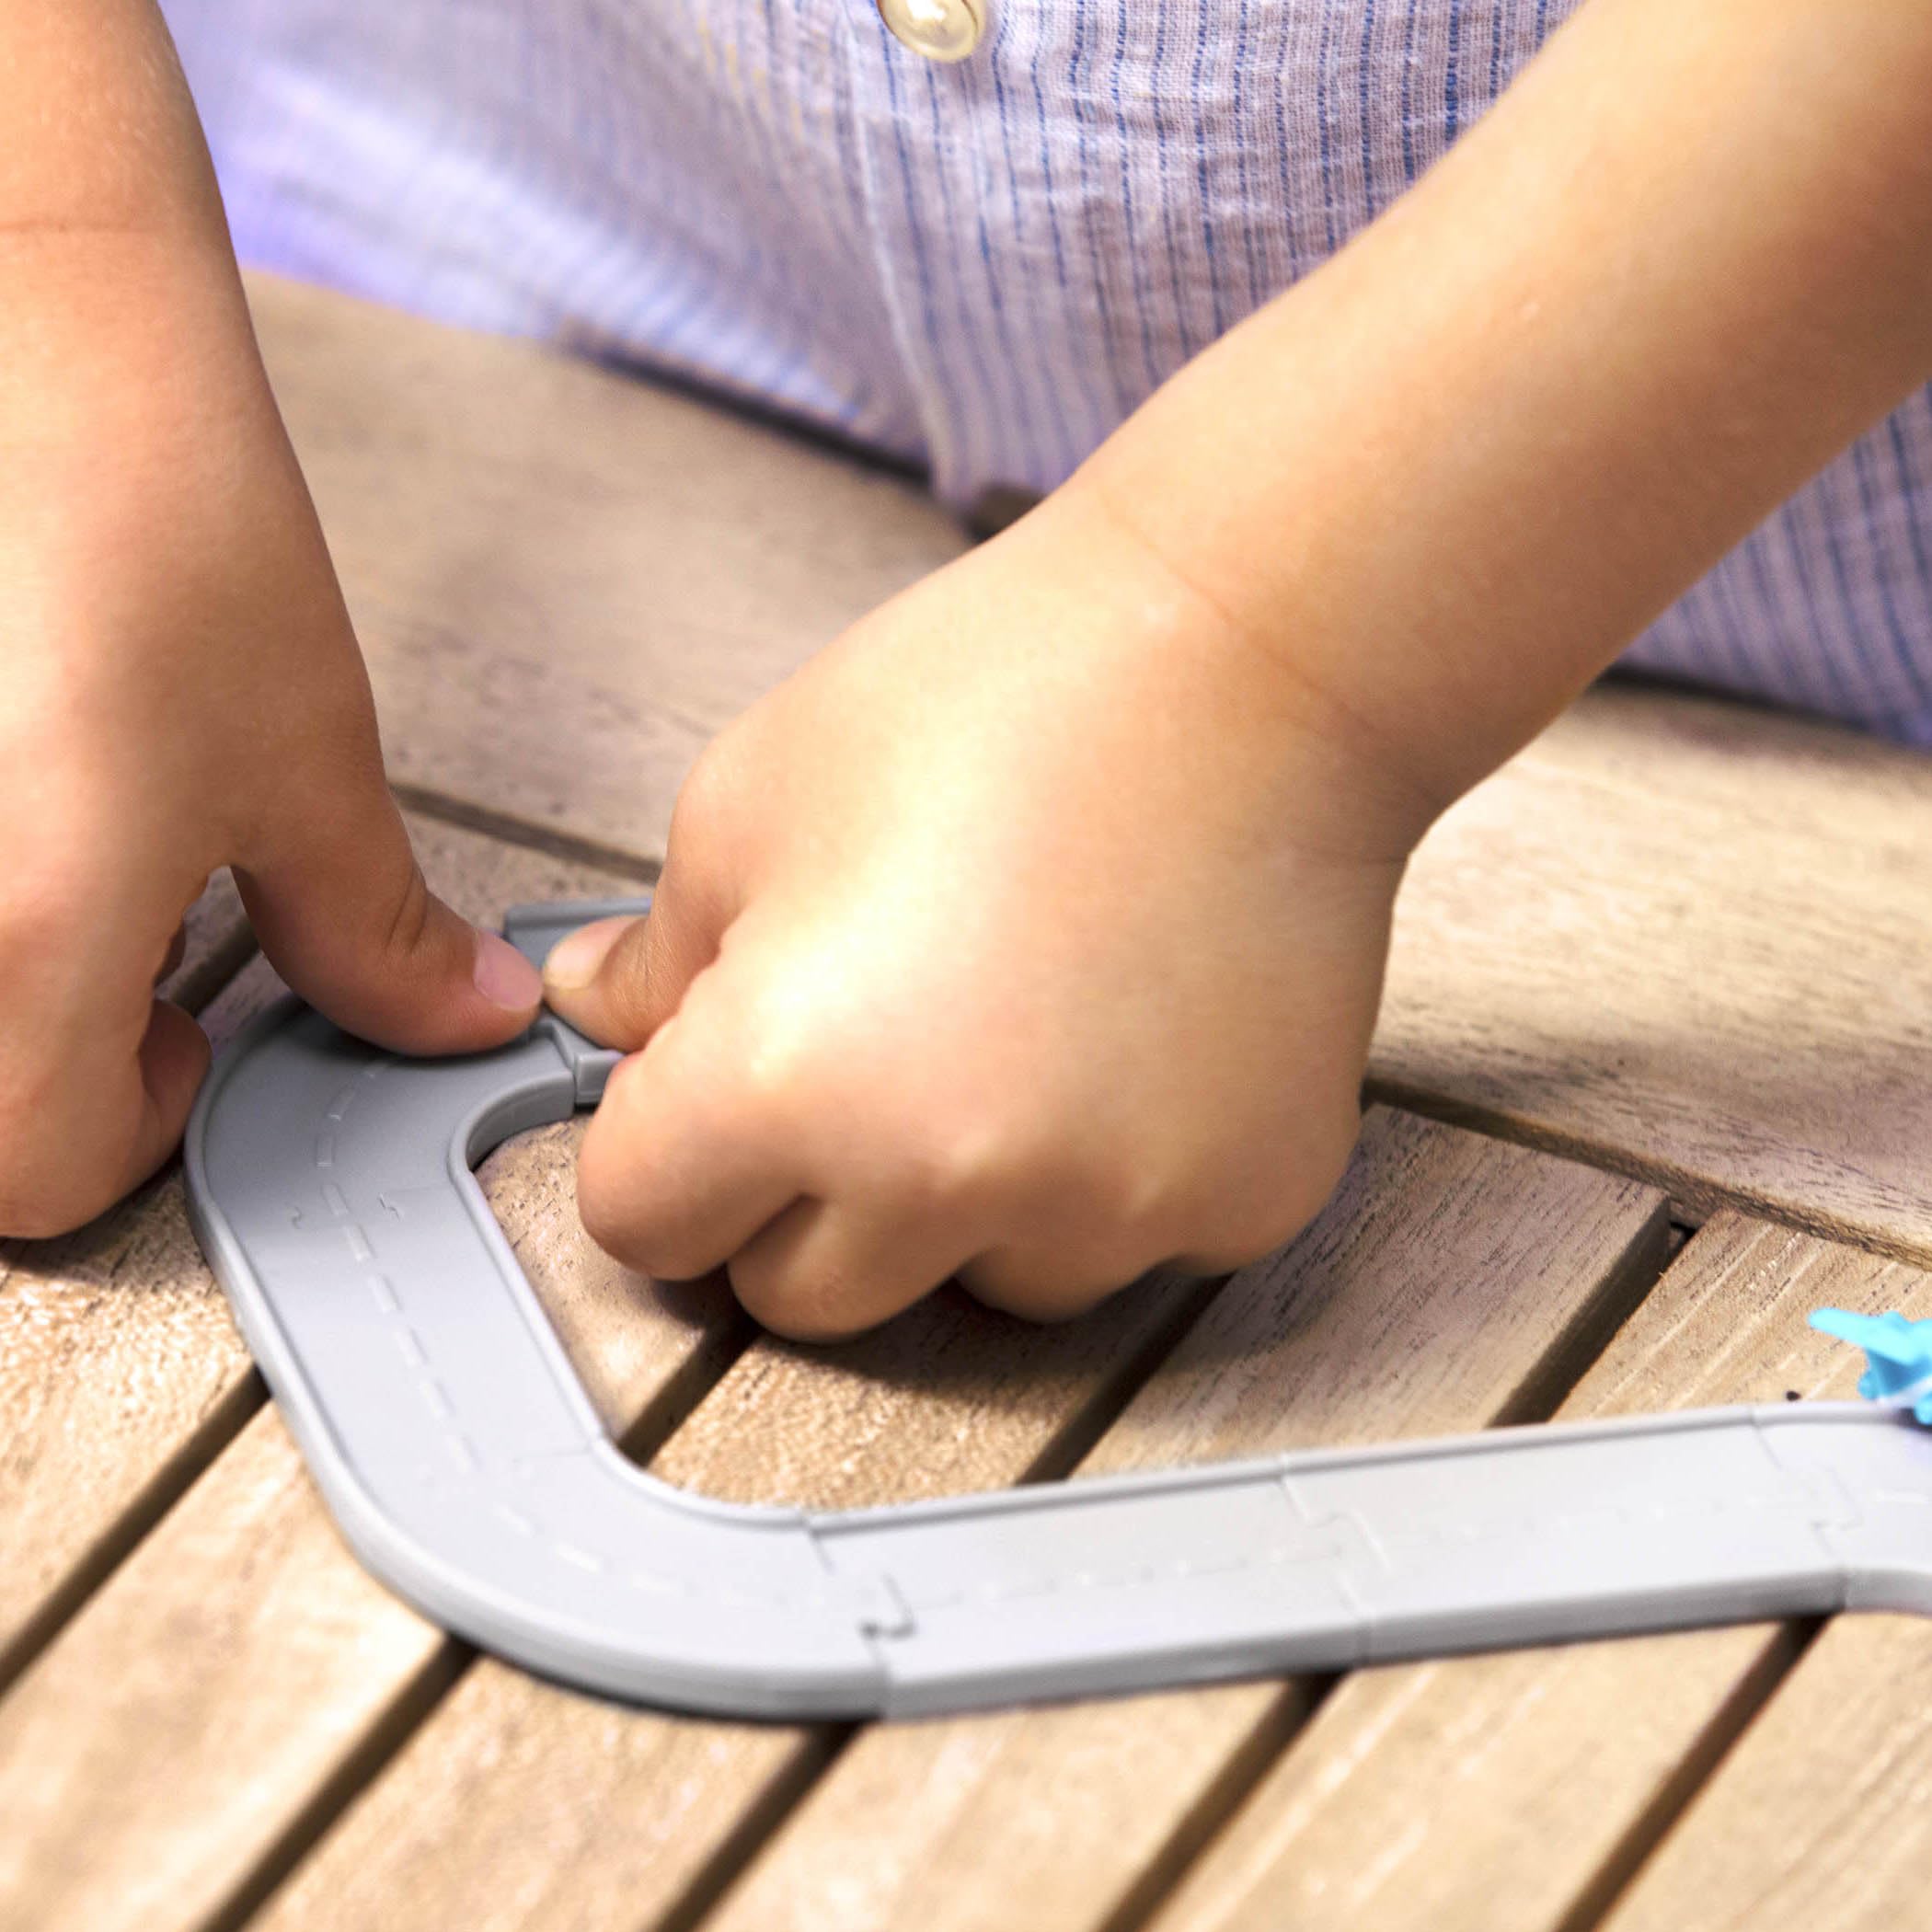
[
  {"x": 1682, "y": 264},
  {"x": 182, "y": 690},
  {"x": 1035, "y": 930}
]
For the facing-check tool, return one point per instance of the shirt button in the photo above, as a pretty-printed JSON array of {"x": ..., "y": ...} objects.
[{"x": 940, "y": 30}]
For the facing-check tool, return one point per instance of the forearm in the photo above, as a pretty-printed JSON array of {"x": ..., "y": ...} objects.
[
  {"x": 1444, "y": 480},
  {"x": 119, "y": 304},
  {"x": 138, "y": 431}
]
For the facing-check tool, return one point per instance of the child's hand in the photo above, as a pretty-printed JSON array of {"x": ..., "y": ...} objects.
[
  {"x": 183, "y": 691},
  {"x": 1023, "y": 935}
]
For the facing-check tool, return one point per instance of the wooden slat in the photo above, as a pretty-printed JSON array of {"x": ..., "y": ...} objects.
[
  {"x": 518, "y": 1804},
  {"x": 1450, "y": 1279},
  {"x": 121, "y": 1371},
  {"x": 1821, "y": 1816},
  {"x": 171, "y": 1620},
  {"x": 1822, "y": 1819},
  {"x": 240, "y": 1660},
  {"x": 195, "y": 1793},
  {"x": 160, "y": 1777},
  {"x": 1413, "y": 1788},
  {"x": 1691, "y": 940},
  {"x": 566, "y": 581}
]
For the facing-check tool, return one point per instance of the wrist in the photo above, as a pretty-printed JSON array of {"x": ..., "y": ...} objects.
[
  {"x": 1369, "y": 772},
  {"x": 1449, "y": 476}
]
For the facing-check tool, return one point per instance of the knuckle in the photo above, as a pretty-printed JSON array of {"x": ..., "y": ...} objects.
[
  {"x": 1107, "y": 1206},
  {"x": 1050, "y": 1306},
  {"x": 1134, "y": 1200},
  {"x": 615, "y": 1208},
  {"x": 818, "y": 1307},
  {"x": 610, "y": 1229},
  {"x": 22, "y": 1217},
  {"x": 630, "y": 968},
  {"x": 941, "y": 1171},
  {"x": 782, "y": 1056},
  {"x": 614, "y": 1222},
  {"x": 409, "y": 916},
  {"x": 643, "y": 1245},
  {"x": 628, "y": 1213},
  {"x": 968, "y": 1156},
  {"x": 1224, "y": 1237},
  {"x": 1055, "y": 1287},
  {"x": 1227, "y": 1251},
  {"x": 1246, "y": 1203},
  {"x": 40, "y": 1221}
]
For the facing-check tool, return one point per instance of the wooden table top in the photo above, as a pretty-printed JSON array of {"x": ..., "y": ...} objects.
[{"x": 1654, "y": 1077}]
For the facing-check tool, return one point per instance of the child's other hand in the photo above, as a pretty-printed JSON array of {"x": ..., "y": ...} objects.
[
  {"x": 1032, "y": 933},
  {"x": 183, "y": 691}
]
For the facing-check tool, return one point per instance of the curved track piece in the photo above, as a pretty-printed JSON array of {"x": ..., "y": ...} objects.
[{"x": 330, "y": 1185}]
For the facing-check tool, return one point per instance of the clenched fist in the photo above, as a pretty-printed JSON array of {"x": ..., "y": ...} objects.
[{"x": 1031, "y": 934}]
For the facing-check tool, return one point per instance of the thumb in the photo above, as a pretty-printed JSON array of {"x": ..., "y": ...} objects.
[
  {"x": 619, "y": 980},
  {"x": 344, "y": 914}
]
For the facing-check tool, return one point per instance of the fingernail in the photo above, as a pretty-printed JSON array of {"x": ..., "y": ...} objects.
[
  {"x": 575, "y": 961},
  {"x": 503, "y": 975}
]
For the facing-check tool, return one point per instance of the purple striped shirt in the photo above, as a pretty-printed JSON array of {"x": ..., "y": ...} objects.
[{"x": 979, "y": 268}]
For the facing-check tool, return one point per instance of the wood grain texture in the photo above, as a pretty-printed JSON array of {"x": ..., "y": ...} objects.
[
  {"x": 1685, "y": 939},
  {"x": 120, "y": 1372},
  {"x": 1440, "y": 1289},
  {"x": 517, "y": 1805},
  {"x": 949, "y": 1397},
  {"x": 1693, "y": 941},
  {"x": 1414, "y": 1786},
  {"x": 161, "y": 1779},
  {"x": 520, "y": 1804},
  {"x": 151, "y": 1706},
  {"x": 566, "y": 581},
  {"x": 1822, "y": 1818},
  {"x": 241, "y": 1661}
]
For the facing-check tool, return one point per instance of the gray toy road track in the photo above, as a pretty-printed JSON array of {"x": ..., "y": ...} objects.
[{"x": 330, "y": 1186}]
